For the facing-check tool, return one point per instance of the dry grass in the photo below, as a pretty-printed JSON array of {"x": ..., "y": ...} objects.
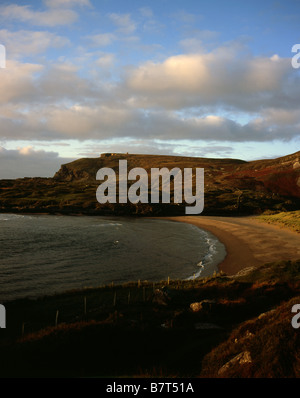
[
  {"x": 117, "y": 338},
  {"x": 271, "y": 341},
  {"x": 290, "y": 220}
]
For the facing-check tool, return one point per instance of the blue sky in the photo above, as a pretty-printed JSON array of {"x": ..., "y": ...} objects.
[{"x": 196, "y": 78}]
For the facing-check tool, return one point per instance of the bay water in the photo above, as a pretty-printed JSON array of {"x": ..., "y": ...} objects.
[{"x": 47, "y": 254}]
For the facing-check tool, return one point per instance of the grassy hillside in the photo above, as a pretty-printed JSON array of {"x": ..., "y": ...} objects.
[
  {"x": 232, "y": 187},
  {"x": 289, "y": 220},
  {"x": 239, "y": 327}
]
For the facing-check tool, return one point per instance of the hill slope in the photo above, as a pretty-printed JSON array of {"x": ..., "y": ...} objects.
[
  {"x": 220, "y": 326},
  {"x": 232, "y": 186}
]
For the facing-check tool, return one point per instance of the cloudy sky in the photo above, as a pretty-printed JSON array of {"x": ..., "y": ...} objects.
[{"x": 193, "y": 77}]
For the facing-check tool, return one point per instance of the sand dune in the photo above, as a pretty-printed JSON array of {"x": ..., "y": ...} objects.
[{"x": 248, "y": 241}]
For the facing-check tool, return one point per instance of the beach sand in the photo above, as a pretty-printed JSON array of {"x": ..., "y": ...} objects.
[{"x": 248, "y": 241}]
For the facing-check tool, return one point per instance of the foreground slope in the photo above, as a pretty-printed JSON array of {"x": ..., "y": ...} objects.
[{"x": 221, "y": 326}]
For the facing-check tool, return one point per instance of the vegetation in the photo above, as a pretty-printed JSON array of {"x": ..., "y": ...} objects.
[
  {"x": 141, "y": 329},
  {"x": 210, "y": 327},
  {"x": 284, "y": 219},
  {"x": 232, "y": 187}
]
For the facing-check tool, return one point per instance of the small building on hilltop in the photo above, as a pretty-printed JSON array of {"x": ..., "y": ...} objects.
[{"x": 111, "y": 154}]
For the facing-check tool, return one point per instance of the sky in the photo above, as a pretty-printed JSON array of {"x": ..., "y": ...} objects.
[{"x": 188, "y": 78}]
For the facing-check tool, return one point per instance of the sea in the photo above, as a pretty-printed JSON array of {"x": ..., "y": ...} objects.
[{"x": 48, "y": 254}]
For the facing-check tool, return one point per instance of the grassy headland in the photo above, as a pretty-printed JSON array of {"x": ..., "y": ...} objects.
[{"x": 232, "y": 187}]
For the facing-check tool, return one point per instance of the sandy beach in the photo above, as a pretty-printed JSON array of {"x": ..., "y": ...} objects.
[{"x": 248, "y": 241}]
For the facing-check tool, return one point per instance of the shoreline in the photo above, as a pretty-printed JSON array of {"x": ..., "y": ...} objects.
[{"x": 248, "y": 242}]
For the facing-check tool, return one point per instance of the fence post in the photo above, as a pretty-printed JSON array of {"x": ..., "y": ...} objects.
[{"x": 56, "y": 318}]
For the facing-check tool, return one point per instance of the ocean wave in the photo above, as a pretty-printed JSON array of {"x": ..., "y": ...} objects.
[
  {"x": 10, "y": 217},
  {"x": 215, "y": 254},
  {"x": 108, "y": 225}
]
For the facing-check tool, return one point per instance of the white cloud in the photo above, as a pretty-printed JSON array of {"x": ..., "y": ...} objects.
[
  {"x": 67, "y": 3},
  {"x": 29, "y": 86},
  {"x": 188, "y": 96},
  {"x": 222, "y": 77},
  {"x": 25, "y": 42},
  {"x": 50, "y": 17},
  {"x": 61, "y": 82},
  {"x": 211, "y": 91},
  {"x": 106, "y": 121},
  {"x": 123, "y": 22},
  {"x": 83, "y": 122},
  {"x": 182, "y": 72},
  {"x": 105, "y": 61},
  {"x": 199, "y": 41},
  {"x": 17, "y": 81},
  {"x": 102, "y": 39},
  {"x": 21, "y": 162}
]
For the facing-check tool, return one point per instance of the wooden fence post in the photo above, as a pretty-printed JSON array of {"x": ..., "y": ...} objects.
[{"x": 56, "y": 318}]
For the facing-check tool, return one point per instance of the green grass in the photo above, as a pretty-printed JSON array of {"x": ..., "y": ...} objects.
[{"x": 290, "y": 219}]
